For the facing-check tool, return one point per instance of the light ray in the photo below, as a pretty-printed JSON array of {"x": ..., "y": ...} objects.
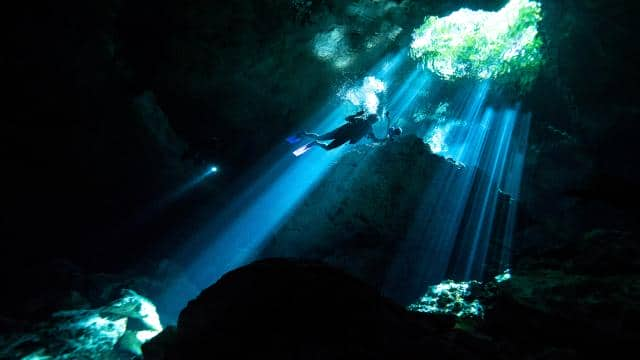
[{"x": 237, "y": 235}]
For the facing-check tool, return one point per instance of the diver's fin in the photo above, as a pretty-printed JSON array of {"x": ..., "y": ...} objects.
[
  {"x": 303, "y": 149},
  {"x": 294, "y": 139}
]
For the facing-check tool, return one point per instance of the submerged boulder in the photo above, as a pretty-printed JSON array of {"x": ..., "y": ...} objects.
[
  {"x": 285, "y": 309},
  {"x": 277, "y": 308},
  {"x": 362, "y": 209},
  {"x": 577, "y": 300},
  {"x": 369, "y": 216}
]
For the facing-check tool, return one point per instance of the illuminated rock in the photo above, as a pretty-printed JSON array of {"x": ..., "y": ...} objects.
[
  {"x": 450, "y": 297},
  {"x": 102, "y": 333}
]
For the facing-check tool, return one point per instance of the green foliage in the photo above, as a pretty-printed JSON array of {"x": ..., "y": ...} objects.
[{"x": 502, "y": 45}]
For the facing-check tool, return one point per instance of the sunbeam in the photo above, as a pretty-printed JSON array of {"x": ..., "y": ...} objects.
[
  {"x": 235, "y": 237},
  {"x": 456, "y": 222}
]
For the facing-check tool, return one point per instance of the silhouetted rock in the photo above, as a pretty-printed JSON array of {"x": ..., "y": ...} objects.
[
  {"x": 283, "y": 309},
  {"x": 576, "y": 300}
]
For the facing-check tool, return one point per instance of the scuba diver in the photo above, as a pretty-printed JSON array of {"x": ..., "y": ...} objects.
[{"x": 357, "y": 127}]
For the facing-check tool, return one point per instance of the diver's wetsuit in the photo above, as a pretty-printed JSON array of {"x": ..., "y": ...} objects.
[{"x": 355, "y": 129}]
